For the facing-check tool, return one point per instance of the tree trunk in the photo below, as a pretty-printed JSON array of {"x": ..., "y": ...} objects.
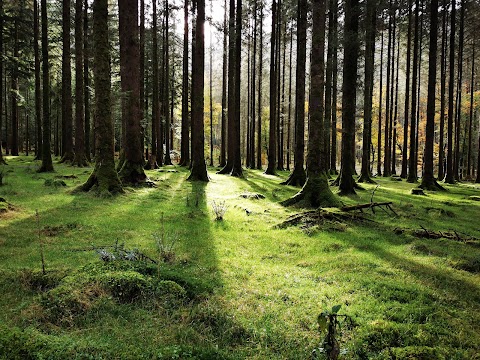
[
  {"x": 252, "y": 97},
  {"x": 166, "y": 101},
  {"x": 347, "y": 183},
  {"x": 370, "y": 34},
  {"x": 380, "y": 108},
  {"x": 298, "y": 175},
  {"x": 80, "y": 158},
  {"x": 428, "y": 180},
  {"x": 412, "y": 161},
  {"x": 333, "y": 160},
  {"x": 155, "y": 111},
  {"x": 142, "y": 75},
  {"x": 289, "y": 121},
  {"x": 237, "y": 160},
  {"x": 131, "y": 171},
  {"x": 470, "y": 121},
  {"x": 211, "y": 90},
  {"x": 47, "y": 164},
  {"x": 86, "y": 77},
  {"x": 443, "y": 76},
  {"x": 386, "y": 147},
  {"x": 67, "y": 119},
  {"x": 14, "y": 92},
  {"x": 38, "y": 94},
  {"x": 199, "y": 168},
  {"x": 395, "y": 114},
  {"x": 272, "y": 141},
  {"x": 2, "y": 160},
  {"x": 185, "y": 142},
  {"x": 104, "y": 178},
  {"x": 260, "y": 91},
  {"x": 456, "y": 161},
  {"x": 449, "y": 176},
  {"x": 316, "y": 192}
]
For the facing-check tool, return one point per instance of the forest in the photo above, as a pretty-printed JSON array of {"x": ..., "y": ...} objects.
[{"x": 239, "y": 179}]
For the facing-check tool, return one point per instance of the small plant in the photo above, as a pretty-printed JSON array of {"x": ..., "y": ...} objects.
[
  {"x": 219, "y": 209},
  {"x": 328, "y": 321},
  {"x": 119, "y": 252},
  {"x": 165, "y": 244}
]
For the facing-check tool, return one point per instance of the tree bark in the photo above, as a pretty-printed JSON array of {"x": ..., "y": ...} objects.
[
  {"x": 470, "y": 118},
  {"x": 260, "y": 92},
  {"x": 333, "y": 160},
  {"x": 14, "y": 92},
  {"x": 223, "y": 146},
  {"x": 443, "y": 77},
  {"x": 272, "y": 141},
  {"x": 155, "y": 103},
  {"x": 167, "y": 160},
  {"x": 86, "y": 77},
  {"x": 2, "y": 160},
  {"x": 104, "y": 179},
  {"x": 185, "y": 142},
  {"x": 456, "y": 160},
  {"x": 380, "y": 108}
]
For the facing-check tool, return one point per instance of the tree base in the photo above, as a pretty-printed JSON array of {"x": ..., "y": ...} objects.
[
  {"x": 132, "y": 173},
  {"x": 68, "y": 157},
  {"x": 198, "y": 173},
  {"x": 80, "y": 161},
  {"x": 365, "y": 178},
  {"x": 412, "y": 179},
  {"x": 270, "y": 170},
  {"x": 45, "y": 168},
  {"x": 103, "y": 181},
  {"x": 297, "y": 178},
  {"x": 431, "y": 185},
  {"x": 227, "y": 169},
  {"x": 315, "y": 193}
]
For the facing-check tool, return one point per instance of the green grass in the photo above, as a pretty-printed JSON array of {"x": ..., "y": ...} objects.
[{"x": 253, "y": 290}]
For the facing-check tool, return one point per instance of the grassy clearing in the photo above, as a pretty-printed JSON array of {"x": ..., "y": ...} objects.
[{"x": 242, "y": 287}]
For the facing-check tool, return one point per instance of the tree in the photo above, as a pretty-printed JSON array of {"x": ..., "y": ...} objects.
[
  {"x": 47, "y": 164},
  {"x": 166, "y": 66},
  {"x": 428, "y": 180},
  {"x": 38, "y": 94},
  {"x": 67, "y": 120},
  {"x": 155, "y": 102},
  {"x": 104, "y": 178},
  {"x": 223, "y": 146},
  {"x": 316, "y": 190},
  {"x": 199, "y": 168},
  {"x": 272, "y": 140},
  {"x": 237, "y": 160},
  {"x": 185, "y": 147},
  {"x": 298, "y": 175},
  {"x": 2, "y": 160},
  {"x": 334, "y": 26},
  {"x": 349, "y": 89},
  {"x": 14, "y": 92},
  {"x": 260, "y": 78},
  {"x": 80, "y": 158},
  {"x": 86, "y": 81},
  {"x": 370, "y": 30},
  {"x": 443, "y": 76}
]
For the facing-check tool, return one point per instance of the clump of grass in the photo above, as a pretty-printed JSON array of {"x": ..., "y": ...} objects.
[{"x": 219, "y": 209}]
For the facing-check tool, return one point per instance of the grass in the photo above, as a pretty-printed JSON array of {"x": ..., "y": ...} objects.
[{"x": 253, "y": 290}]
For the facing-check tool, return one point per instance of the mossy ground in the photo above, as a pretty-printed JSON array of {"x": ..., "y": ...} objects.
[{"x": 253, "y": 290}]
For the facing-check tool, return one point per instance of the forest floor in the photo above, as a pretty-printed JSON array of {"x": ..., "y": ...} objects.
[{"x": 237, "y": 288}]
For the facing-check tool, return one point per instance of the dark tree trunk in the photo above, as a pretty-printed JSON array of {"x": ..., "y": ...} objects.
[
  {"x": 316, "y": 192},
  {"x": 104, "y": 178},
  {"x": 211, "y": 91},
  {"x": 443, "y": 77},
  {"x": 298, "y": 175},
  {"x": 395, "y": 114},
  {"x": 237, "y": 160},
  {"x": 279, "y": 110},
  {"x": 351, "y": 49},
  {"x": 2, "y": 160},
  {"x": 403, "y": 174},
  {"x": 14, "y": 92},
  {"x": 428, "y": 180},
  {"x": 38, "y": 94},
  {"x": 333, "y": 160},
  {"x": 185, "y": 142},
  {"x": 142, "y": 75},
  {"x": 272, "y": 141},
  {"x": 412, "y": 161},
  {"x": 456, "y": 160},
  {"x": 47, "y": 164},
  {"x": 386, "y": 147},
  {"x": 328, "y": 82},
  {"x": 260, "y": 91},
  {"x": 370, "y": 34},
  {"x": 380, "y": 108},
  {"x": 155, "y": 103},
  {"x": 470, "y": 118},
  {"x": 131, "y": 171},
  {"x": 252, "y": 97},
  {"x": 449, "y": 176},
  {"x": 80, "y": 158},
  {"x": 67, "y": 119},
  {"x": 166, "y": 101},
  {"x": 199, "y": 168},
  {"x": 223, "y": 146},
  {"x": 289, "y": 121},
  {"x": 86, "y": 77}
]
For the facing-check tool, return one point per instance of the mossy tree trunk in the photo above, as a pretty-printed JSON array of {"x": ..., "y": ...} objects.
[
  {"x": 199, "y": 168},
  {"x": 86, "y": 81},
  {"x": 349, "y": 89},
  {"x": 2, "y": 160},
  {"x": 80, "y": 158},
  {"x": 185, "y": 141},
  {"x": 428, "y": 180},
  {"x": 38, "y": 94},
  {"x": 404, "y": 172},
  {"x": 104, "y": 178},
  {"x": 131, "y": 171},
  {"x": 67, "y": 119},
  {"x": 47, "y": 164},
  {"x": 152, "y": 163},
  {"x": 316, "y": 192},
  {"x": 298, "y": 175}
]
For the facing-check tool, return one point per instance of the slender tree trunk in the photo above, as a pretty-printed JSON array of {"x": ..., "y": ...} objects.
[
  {"x": 279, "y": 110},
  {"x": 272, "y": 142},
  {"x": 223, "y": 147},
  {"x": 67, "y": 119},
  {"x": 199, "y": 168},
  {"x": 298, "y": 175},
  {"x": 370, "y": 34},
  {"x": 142, "y": 74},
  {"x": 395, "y": 115},
  {"x": 386, "y": 161},
  {"x": 428, "y": 180},
  {"x": 412, "y": 161},
  {"x": 38, "y": 94},
  {"x": 211, "y": 90},
  {"x": 333, "y": 162},
  {"x": 260, "y": 91},
  {"x": 470, "y": 121},
  {"x": 2, "y": 160},
  {"x": 289, "y": 119},
  {"x": 237, "y": 160},
  {"x": 47, "y": 164},
  {"x": 456, "y": 160},
  {"x": 380, "y": 108},
  {"x": 155, "y": 103},
  {"x": 328, "y": 82},
  {"x": 168, "y": 160},
  {"x": 80, "y": 158},
  {"x": 86, "y": 80},
  {"x": 185, "y": 142},
  {"x": 351, "y": 49},
  {"x": 252, "y": 96},
  {"x": 14, "y": 92},
  {"x": 443, "y": 77},
  {"x": 104, "y": 178}
]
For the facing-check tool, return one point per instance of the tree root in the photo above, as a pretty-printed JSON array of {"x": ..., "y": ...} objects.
[
  {"x": 319, "y": 216},
  {"x": 384, "y": 206},
  {"x": 296, "y": 178},
  {"x": 430, "y": 234}
]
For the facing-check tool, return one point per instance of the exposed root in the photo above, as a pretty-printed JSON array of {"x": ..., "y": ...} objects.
[
  {"x": 319, "y": 216},
  {"x": 431, "y": 234}
]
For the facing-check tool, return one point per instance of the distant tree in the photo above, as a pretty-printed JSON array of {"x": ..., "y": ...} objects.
[
  {"x": 199, "y": 168},
  {"x": 443, "y": 77},
  {"x": 260, "y": 78},
  {"x": 2, "y": 160},
  {"x": 185, "y": 143},
  {"x": 272, "y": 140},
  {"x": 349, "y": 89},
  {"x": 47, "y": 164},
  {"x": 152, "y": 164},
  {"x": 86, "y": 81},
  {"x": 14, "y": 91},
  {"x": 104, "y": 178},
  {"x": 38, "y": 94},
  {"x": 223, "y": 146},
  {"x": 298, "y": 175}
]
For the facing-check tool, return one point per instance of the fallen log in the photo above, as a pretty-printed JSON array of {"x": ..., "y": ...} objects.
[{"x": 371, "y": 206}]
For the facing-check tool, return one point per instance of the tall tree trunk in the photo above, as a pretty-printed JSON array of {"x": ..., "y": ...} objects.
[
  {"x": 185, "y": 142},
  {"x": 80, "y": 158},
  {"x": 38, "y": 94},
  {"x": 211, "y": 90},
  {"x": 456, "y": 161},
  {"x": 199, "y": 168},
  {"x": 104, "y": 178},
  {"x": 443, "y": 77},
  {"x": 14, "y": 92},
  {"x": 272, "y": 142},
  {"x": 370, "y": 34},
  {"x": 155, "y": 103},
  {"x": 131, "y": 171},
  {"x": 395, "y": 114},
  {"x": 142, "y": 74},
  {"x": 289, "y": 121},
  {"x": 254, "y": 79},
  {"x": 428, "y": 180},
  {"x": 412, "y": 161},
  {"x": 316, "y": 191},
  {"x": 470, "y": 121},
  {"x": 333, "y": 159},
  {"x": 380, "y": 108},
  {"x": 351, "y": 49},
  {"x": 47, "y": 164},
  {"x": 260, "y": 91},
  {"x": 298, "y": 175},
  {"x": 67, "y": 119},
  {"x": 328, "y": 82},
  {"x": 166, "y": 101},
  {"x": 386, "y": 147},
  {"x": 86, "y": 80},
  {"x": 2, "y": 160},
  {"x": 279, "y": 112},
  {"x": 237, "y": 160}
]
